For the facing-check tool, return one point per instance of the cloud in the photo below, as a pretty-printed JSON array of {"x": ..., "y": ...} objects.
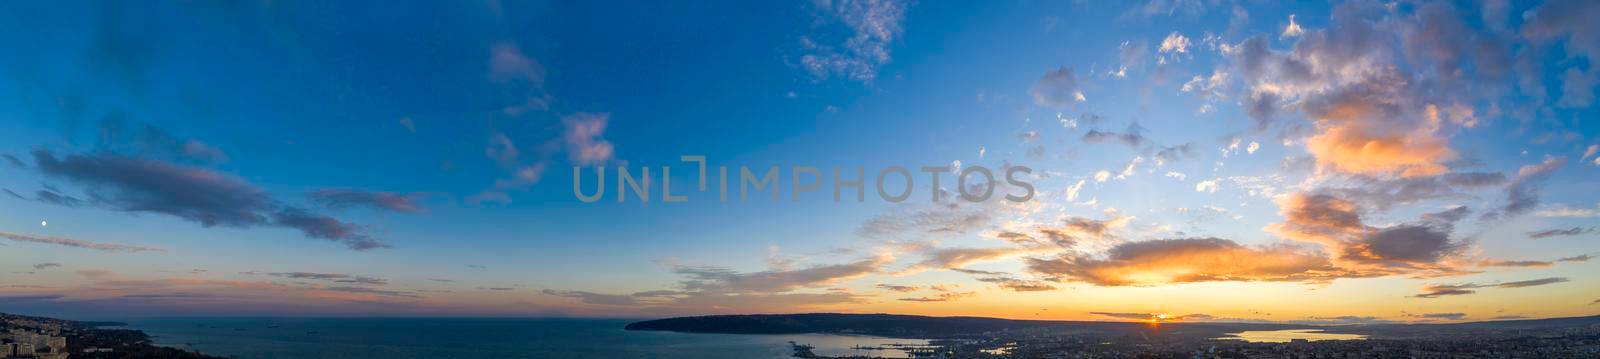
[
  {"x": 1548, "y": 233},
  {"x": 976, "y": 272},
  {"x": 332, "y": 277},
  {"x": 1072, "y": 191},
  {"x": 1577, "y": 88},
  {"x": 1565, "y": 20},
  {"x": 941, "y": 297},
  {"x": 1292, "y": 30},
  {"x": 373, "y": 291},
  {"x": 1441, "y": 290},
  {"x": 409, "y": 124},
  {"x": 1208, "y": 186},
  {"x": 340, "y": 198},
  {"x": 1448, "y": 316},
  {"x": 1128, "y": 169},
  {"x": 946, "y": 258},
  {"x": 502, "y": 150},
  {"x": 1019, "y": 285},
  {"x": 46, "y": 265},
  {"x": 56, "y": 198},
  {"x": 945, "y": 217},
  {"x": 1057, "y": 88},
  {"x": 1133, "y": 137},
  {"x": 1186, "y": 260},
  {"x": 874, "y": 25},
  {"x": 1532, "y": 283},
  {"x": 206, "y": 152},
  {"x": 1153, "y": 316},
  {"x": 1522, "y": 195},
  {"x": 717, "y": 279},
  {"x": 13, "y": 160},
  {"x": 149, "y": 140},
  {"x": 169, "y": 296},
  {"x": 1568, "y": 212},
  {"x": 235, "y": 294},
  {"x": 324, "y": 227},
  {"x": 1074, "y": 230},
  {"x": 1336, "y": 224},
  {"x": 1386, "y": 193},
  {"x": 1576, "y": 258},
  {"x": 1174, "y": 43},
  {"x": 1369, "y": 116},
  {"x": 1353, "y": 148},
  {"x": 758, "y": 302},
  {"x": 1119, "y": 315},
  {"x": 69, "y": 242},
  {"x": 581, "y": 135},
  {"x": 1172, "y": 154},
  {"x": 724, "y": 290},
  {"x": 1210, "y": 88},
  {"x": 1405, "y": 243},
  {"x": 96, "y": 274},
  {"x": 209, "y": 198},
  {"x": 1168, "y": 8},
  {"x": 1501, "y": 263},
  {"x": 594, "y": 298},
  {"x": 897, "y": 288},
  {"x": 524, "y": 173},
  {"x": 507, "y": 63},
  {"x": 50, "y": 195},
  {"x": 581, "y": 138},
  {"x": 138, "y": 185}
]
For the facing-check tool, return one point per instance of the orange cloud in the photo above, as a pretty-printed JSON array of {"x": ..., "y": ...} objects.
[
  {"x": 1188, "y": 260},
  {"x": 1349, "y": 148}
]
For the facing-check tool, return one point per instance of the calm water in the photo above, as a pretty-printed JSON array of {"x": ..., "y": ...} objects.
[
  {"x": 498, "y": 338},
  {"x": 1284, "y": 336}
]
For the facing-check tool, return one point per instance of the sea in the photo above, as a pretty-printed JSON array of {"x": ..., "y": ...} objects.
[
  {"x": 1285, "y": 336},
  {"x": 479, "y": 338}
]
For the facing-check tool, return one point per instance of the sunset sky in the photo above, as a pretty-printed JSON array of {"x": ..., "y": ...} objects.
[{"x": 1212, "y": 160}]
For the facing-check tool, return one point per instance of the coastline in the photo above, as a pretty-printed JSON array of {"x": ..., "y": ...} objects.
[{"x": 482, "y": 337}]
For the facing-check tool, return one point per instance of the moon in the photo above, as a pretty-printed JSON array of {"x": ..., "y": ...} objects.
[{"x": 44, "y": 223}]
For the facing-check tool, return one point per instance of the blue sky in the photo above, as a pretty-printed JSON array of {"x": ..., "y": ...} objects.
[{"x": 1320, "y": 147}]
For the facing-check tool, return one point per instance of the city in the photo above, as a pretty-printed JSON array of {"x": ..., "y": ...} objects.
[
  {"x": 47, "y": 338},
  {"x": 1552, "y": 343},
  {"x": 972, "y": 337}
]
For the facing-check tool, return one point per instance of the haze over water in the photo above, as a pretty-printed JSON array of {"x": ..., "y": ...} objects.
[{"x": 1285, "y": 336}]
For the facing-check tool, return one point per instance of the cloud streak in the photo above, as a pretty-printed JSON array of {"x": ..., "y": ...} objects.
[
  {"x": 77, "y": 243},
  {"x": 198, "y": 195},
  {"x": 1560, "y": 232},
  {"x": 1187, "y": 260},
  {"x": 1444, "y": 290},
  {"x": 341, "y": 198}
]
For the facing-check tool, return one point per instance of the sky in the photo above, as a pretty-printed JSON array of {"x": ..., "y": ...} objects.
[{"x": 1345, "y": 162}]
